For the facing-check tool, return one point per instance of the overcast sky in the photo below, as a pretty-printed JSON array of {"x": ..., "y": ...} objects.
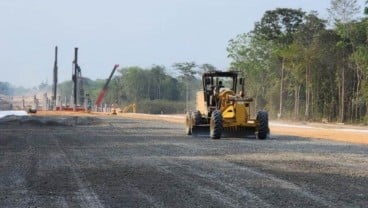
[{"x": 126, "y": 32}]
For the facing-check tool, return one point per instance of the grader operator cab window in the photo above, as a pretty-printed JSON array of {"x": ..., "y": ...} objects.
[
  {"x": 208, "y": 84},
  {"x": 226, "y": 83}
]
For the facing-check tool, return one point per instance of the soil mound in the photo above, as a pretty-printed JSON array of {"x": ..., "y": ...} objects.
[{"x": 49, "y": 121}]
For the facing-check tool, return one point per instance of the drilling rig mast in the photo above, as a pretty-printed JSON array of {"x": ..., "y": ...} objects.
[
  {"x": 55, "y": 81},
  {"x": 78, "y": 91}
]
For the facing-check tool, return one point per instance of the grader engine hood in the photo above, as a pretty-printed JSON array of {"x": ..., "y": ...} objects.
[{"x": 228, "y": 112}]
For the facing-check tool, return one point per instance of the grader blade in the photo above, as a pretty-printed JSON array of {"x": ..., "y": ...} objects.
[
  {"x": 238, "y": 132},
  {"x": 202, "y": 130}
]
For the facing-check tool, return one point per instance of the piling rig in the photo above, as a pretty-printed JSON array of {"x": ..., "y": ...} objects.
[{"x": 78, "y": 90}]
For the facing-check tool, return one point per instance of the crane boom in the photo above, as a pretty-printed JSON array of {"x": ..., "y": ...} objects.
[{"x": 104, "y": 89}]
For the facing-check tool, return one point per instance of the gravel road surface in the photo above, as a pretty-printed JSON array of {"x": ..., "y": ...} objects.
[{"x": 125, "y": 162}]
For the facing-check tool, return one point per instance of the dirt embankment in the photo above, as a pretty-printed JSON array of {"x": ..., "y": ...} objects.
[{"x": 335, "y": 132}]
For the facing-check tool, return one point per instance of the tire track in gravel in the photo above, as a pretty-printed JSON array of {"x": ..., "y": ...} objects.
[
  {"x": 212, "y": 183},
  {"x": 109, "y": 129},
  {"x": 50, "y": 177},
  {"x": 201, "y": 182},
  {"x": 85, "y": 194},
  {"x": 232, "y": 195},
  {"x": 18, "y": 157},
  {"x": 218, "y": 178},
  {"x": 22, "y": 169}
]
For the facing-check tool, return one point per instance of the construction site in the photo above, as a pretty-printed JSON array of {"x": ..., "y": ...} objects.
[
  {"x": 79, "y": 100},
  {"x": 190, "y": 103}
]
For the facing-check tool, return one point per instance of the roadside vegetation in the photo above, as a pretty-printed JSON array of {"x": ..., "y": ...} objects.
[{"x": 298, "y": 66}]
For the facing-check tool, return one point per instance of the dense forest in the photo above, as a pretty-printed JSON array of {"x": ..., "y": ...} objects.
[{"x": 296, "y": 66}]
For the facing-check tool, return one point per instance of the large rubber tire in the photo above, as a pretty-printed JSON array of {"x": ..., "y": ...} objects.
[
  {"x": 188, "y": 124},
  {"x": 197, "y": 118},
  {"x": 216, "y": 125},
  {"x": 263, "y": 129}
]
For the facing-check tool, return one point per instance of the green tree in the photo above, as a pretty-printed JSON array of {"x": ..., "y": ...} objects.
[
  {"x": 305, "y": 38},
  {"x": 5, "y": 88},
  {"x": 358, "y": 45},
  {"x": 135, "y": 83},
  {"x": 343, "y": 12},
  {"x": 158, "y": 76},
  {"x": 207, "y": 67},
  {"x": 187, "y": 71},
  {"x": 171, "y": 89},
  {"x": 256, "y": 59},
  {"x": 279, "y": 26},
  {"x": 43, "y": 86}
]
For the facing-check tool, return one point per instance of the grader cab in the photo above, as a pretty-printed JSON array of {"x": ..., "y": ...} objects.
[{"x": 224, "y": 110}]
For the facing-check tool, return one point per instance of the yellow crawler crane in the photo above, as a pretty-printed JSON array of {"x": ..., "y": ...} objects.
[{"x": 224, "y": 111}]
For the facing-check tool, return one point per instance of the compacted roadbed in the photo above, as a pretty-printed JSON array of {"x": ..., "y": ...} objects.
[{"x": 122, "y": 161}]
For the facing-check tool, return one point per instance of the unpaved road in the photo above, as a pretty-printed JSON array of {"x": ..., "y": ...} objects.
[{"x": 126, "y": 162}]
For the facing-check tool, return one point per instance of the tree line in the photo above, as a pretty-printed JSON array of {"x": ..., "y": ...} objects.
[
  {"x": 9, "y": 90},
  {"x": 297, "y": 66}
]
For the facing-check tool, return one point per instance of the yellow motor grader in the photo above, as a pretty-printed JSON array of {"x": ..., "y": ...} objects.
[{"x": 222, "y": 110}]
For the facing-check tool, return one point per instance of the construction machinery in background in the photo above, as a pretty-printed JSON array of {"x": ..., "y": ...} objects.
[
  {"x": 80, "y": 101},
  {"x": 130, "y": 108},
  {"x": 55, "y": 81},
  {"x": 78, "y": 90},
  {"x": 78, "y": 98},
  {"x": 224, "y": 110},
  {"x": 104, "y": 89}
]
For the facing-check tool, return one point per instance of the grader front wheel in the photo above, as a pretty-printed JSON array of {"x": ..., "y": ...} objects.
[
  {"x": 216, "y": 125},
  {"x": 263, "y": 129}
]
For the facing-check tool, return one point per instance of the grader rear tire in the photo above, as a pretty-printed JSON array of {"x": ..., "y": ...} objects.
[
  {"x": 216, "y": 125},
  {"x": 263, "y": 129}
]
